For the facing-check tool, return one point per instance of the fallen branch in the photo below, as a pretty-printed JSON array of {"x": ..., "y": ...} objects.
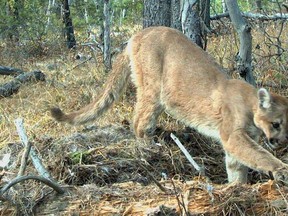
[
  {"x": 258, "y": 16},
  {"x": 201, "y": 170},
  {"x": 35, "y": 159},
  {"x": 13, "y": 86},
  {"x": 46, "y": 181},
  {"x": 24, "y": 159},
  {"x": 10, "y": 71}
]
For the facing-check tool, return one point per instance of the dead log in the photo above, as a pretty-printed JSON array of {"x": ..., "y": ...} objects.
[
  {"x": 13, "y": 86},
  {"x": 10, "y": 71}
]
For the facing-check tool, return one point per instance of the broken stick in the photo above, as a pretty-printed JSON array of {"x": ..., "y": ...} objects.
[
  {"x": 201, "y": 170},
  {"x": 35, "y": 159}
]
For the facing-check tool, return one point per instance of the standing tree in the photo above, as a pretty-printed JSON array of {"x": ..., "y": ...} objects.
[
  {"x": 191, "y": 21},
  {"x": 182, "y": 15},
  {"x": 175, "y": 14},
  {"x": 244, "y": 58},
  {"x": 69, "y": 30},
  {"x": 156, "y": 13},
  {"x": 204, "y": 14},
  {"x": 107, "y": 42}
]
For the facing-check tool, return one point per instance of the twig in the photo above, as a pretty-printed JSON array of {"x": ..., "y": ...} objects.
[
  {"x": 181, "y": 204},
  {"x": 35, "y": 159},
  {"x": 46, "y": 181},
  {"x": 153, "y": 179},
  {"x": 201, "y": 170},
  {"x": 24, "y": 159}
]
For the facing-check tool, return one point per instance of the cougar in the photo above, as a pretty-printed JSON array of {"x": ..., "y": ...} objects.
[{"x": 174, "y": 75}]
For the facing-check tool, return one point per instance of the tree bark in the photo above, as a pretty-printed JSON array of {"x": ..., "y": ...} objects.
[
  {"x": 175, "y": 21},
  {"x": 69, "y": 30},
  {"x": 179, "y": 14},
  {"x": 244, "y": 58},
  {"x": 107, "y": 41},
  {"x": 13, "y": 86},
  {"x": 204, "y": 13},
  {"x": 191, "y": 22},
  {"x": 156, "y": 13}
]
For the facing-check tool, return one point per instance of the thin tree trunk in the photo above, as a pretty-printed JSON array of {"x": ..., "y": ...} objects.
[
  {"x": 204, "y": 11},
  {"x": 191, "y": 22},
  {"x": 69, "y": 30},
  {"x": 258, "y": 4},
  {"x": 244, "y": 60},
  {"x": 48, "y": 13},
  {"x": 224, "y": 7},
  {"x": 107, "y": 42}
]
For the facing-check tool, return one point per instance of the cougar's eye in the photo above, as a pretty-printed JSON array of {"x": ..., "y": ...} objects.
[{"x": 275, "y": 125}]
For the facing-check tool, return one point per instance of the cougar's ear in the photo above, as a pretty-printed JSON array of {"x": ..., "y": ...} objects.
[{"x": 264, "y": 98}]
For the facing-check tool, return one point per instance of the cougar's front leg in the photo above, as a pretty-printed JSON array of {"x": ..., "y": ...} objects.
[
  {"x": 246, "y": 151},
  {"x": 236, "y": 171}
]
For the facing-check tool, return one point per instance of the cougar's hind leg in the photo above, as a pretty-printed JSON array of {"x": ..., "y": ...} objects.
[{"x": 146, "y": 112}]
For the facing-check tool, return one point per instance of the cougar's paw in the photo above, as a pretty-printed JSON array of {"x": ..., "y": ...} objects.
[{"x": 281, "y": 176}]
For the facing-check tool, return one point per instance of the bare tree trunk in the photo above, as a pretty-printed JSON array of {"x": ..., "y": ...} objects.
[
  {"x": 107, "y": 41},
  {"x": 191, "y": 22},
  {"x": 244, "y": 59},
  {"x": 258, "y": 4},
  {"x": 51, "y": 4},
  {"x": 179, "y": 14},
  {"x": 156, "y": 13},
  {"x": 69, "y": 30},
  {"x": 175, "y": 14},
  {"x": 204, "y": 13},
  {"x": 224, "y": 6}
]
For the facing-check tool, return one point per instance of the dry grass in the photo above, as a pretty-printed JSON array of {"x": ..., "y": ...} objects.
[{"x": 97, "y": 159}]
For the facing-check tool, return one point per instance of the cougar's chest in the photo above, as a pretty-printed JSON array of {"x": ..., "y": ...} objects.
[{"x": 208, "y": 130}]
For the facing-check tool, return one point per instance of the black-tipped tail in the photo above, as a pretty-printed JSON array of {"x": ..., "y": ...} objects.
[{"x": 57, "y": 114}]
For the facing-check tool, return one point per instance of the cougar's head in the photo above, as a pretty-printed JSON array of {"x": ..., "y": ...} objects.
[{"x": 271, "y": 117}]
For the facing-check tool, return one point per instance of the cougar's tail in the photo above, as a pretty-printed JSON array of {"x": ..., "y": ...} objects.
[{"x": 114, "y": 86}]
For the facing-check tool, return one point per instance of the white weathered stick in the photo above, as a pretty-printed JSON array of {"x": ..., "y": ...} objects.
[
  {"x": 35, "y": 159},
  {"x": 187, "y": 155}
]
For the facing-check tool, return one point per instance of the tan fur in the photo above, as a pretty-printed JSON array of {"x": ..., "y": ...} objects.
[{"x": 174, "y": 75}]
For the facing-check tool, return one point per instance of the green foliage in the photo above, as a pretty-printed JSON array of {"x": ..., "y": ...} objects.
[
  {"x": 31, "y": 22},
  {"x": 127, "y": 11}
]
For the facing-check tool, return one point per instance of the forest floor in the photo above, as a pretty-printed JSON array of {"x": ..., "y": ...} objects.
[{"x": 104, "y": 169}]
